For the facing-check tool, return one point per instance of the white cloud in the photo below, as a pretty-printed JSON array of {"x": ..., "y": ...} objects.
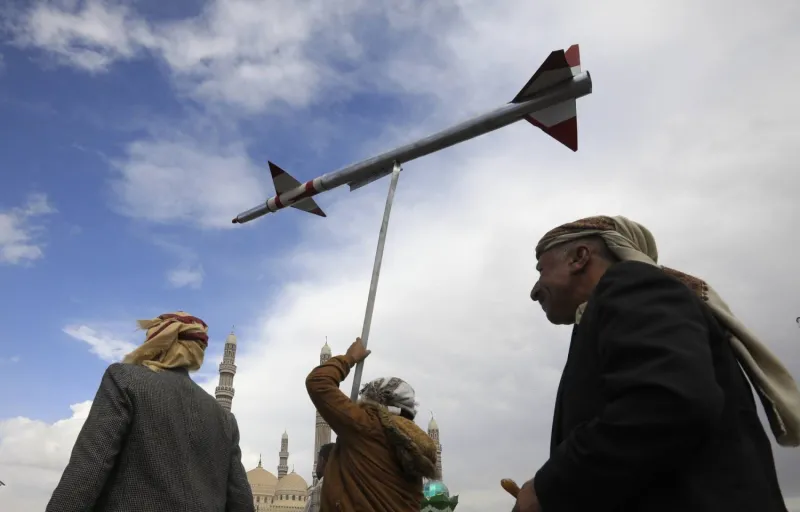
[
  {"x": 663, "y": 141},
  {"x": 32, "y": 456},
  {"x": 189, "y": 272},
  {"x": 678, "y": 134},
  {"x": 242, "y": 53},
  {"x": 104, "y": 345},
  {"x": 191, "y": 277},
  {"x": 90, "y": 35},
  {"x": 237, "y": 57},
  {"x": 181, "y": 181},
  {"x": 19, "y": 242},
  {"x": 9, "y": 360}
]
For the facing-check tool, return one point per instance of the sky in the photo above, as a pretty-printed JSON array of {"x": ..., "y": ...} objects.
[{"x": 131, "y": 133}]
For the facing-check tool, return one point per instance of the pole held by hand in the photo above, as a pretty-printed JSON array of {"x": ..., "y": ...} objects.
[{"x": 376, "y": 273}]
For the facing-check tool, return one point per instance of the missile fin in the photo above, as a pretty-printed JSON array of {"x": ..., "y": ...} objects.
[
  {"x": 559, "y": 121},
  {"x": 284, "y": 182},
  {"x": 558, "y": 67},
  {"x": 310, "y": 206}
]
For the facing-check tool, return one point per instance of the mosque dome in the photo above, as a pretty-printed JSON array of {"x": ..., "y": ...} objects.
[
  {"x": 262, "y": 481},
  {"x": 432, "y": 425},
  {"x": 435, "y": 488},
  {"x": 292, "y": 483},
  {"x": 231, "y": 339},
  {"x": 291, "y": 487},
  {"x": 326, "y": 350}
]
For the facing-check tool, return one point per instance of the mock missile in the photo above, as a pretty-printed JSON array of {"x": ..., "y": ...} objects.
[{"x": 547, "y": 102}]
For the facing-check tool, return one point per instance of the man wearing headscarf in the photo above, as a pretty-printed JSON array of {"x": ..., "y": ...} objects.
[
  {"x": 155, "y": 441},
  {"x": 655, "y": 410},
  {"x": 381, "y": 455}
]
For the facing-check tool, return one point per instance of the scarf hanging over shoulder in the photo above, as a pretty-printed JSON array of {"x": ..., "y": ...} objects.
[
  {"x": 413, "y": 447},
  {"x": 630, "y": 241},
  {"x": 415, "y": 450},
  {"x": 173, "y": 340}
]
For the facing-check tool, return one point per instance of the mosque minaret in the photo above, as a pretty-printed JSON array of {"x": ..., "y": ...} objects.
[
  {"x": 322, "y": 432},
  {"x": 287, "y": 492},
  {"x": 283, "y": 455},
  {"x": 224, "y": 391},
  {"x": 433, "y": 432}
]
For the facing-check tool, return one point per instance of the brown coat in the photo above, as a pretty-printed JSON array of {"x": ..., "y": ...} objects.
[{"x": 379, "y": 459}]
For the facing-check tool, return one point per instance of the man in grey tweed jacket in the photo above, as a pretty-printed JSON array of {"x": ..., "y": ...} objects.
[{"x": 154, "y": 441}]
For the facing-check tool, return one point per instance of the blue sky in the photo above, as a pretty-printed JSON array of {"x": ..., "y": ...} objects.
[
  {"x": 132, "y": 132},
  {"x": 64, "y": 132}
]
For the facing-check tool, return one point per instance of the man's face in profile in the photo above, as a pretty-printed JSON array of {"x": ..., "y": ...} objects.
[{"x": 553, "y": 290}]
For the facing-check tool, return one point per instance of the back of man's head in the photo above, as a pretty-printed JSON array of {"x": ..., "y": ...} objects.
[
  {"x": 173, "y": 340},
  {"x": 325, "y": 450},
  {"x": 393, "y": 393},
  {"x": 322, "y": 458}
]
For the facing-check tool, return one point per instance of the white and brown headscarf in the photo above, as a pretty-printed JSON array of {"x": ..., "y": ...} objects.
[
  {"x": 394, "y": 394},
  {"x": 630, "y": 241},
  {"x": 173, "y": 340}
]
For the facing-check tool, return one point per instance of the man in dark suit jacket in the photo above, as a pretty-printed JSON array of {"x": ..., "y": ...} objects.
[
  {"x": 653, "y": 412},
  {"x": 155, "y": 441}
]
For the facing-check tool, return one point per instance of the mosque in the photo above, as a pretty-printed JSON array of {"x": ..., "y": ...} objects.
[{"x": 288, "y": 491}]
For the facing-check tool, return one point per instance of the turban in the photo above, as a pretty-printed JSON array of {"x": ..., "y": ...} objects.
[
  {"x": 173, "y": 340},
  {"x": 630, "y": 241},
  {"x": 392, "y": 393}
]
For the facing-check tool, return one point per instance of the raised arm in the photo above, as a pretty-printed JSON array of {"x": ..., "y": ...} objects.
[
  {"x": 239, "y": 495},
  {"x": 336, "y": 408},
  {"x": 661, "y": 395},
  {"x": 99, "y": 442}
]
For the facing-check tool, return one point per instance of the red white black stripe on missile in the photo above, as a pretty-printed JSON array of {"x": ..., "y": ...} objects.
[
  {"x": 548, "y": 101},
  {"x": 285, "y": 183}
]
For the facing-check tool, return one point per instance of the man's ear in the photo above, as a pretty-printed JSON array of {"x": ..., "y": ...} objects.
[{"x": 579, "y": 258}]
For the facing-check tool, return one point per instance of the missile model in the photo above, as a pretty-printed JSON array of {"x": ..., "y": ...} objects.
[{"x": 547, "y": 101}]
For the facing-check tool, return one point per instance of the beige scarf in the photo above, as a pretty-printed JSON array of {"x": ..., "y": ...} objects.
[
  {"x": 174, "y": 340},
  {"x": 630, "y": 241}
]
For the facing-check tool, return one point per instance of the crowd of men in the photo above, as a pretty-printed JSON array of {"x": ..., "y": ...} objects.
[{"x": 654, "y": 412}]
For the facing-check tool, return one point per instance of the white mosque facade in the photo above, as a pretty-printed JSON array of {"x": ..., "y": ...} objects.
[{"x": 287, "y": 491}]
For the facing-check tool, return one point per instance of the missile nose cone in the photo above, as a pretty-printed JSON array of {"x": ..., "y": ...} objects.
[{"x": 235, "y": 221}]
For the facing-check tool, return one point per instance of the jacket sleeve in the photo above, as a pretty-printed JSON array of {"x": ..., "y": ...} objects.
[
  {"x": 239, "y": 496},
  {"x": 342, "y": 415},
  {"x": 97, "y": 446},
  {"x": 660, "y": 392}
]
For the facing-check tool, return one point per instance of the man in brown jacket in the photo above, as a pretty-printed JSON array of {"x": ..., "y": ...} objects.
[{"x": 381, "y": 455}]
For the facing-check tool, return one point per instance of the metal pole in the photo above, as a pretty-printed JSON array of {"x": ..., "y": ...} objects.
[{"x": 376, "y": 273}]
